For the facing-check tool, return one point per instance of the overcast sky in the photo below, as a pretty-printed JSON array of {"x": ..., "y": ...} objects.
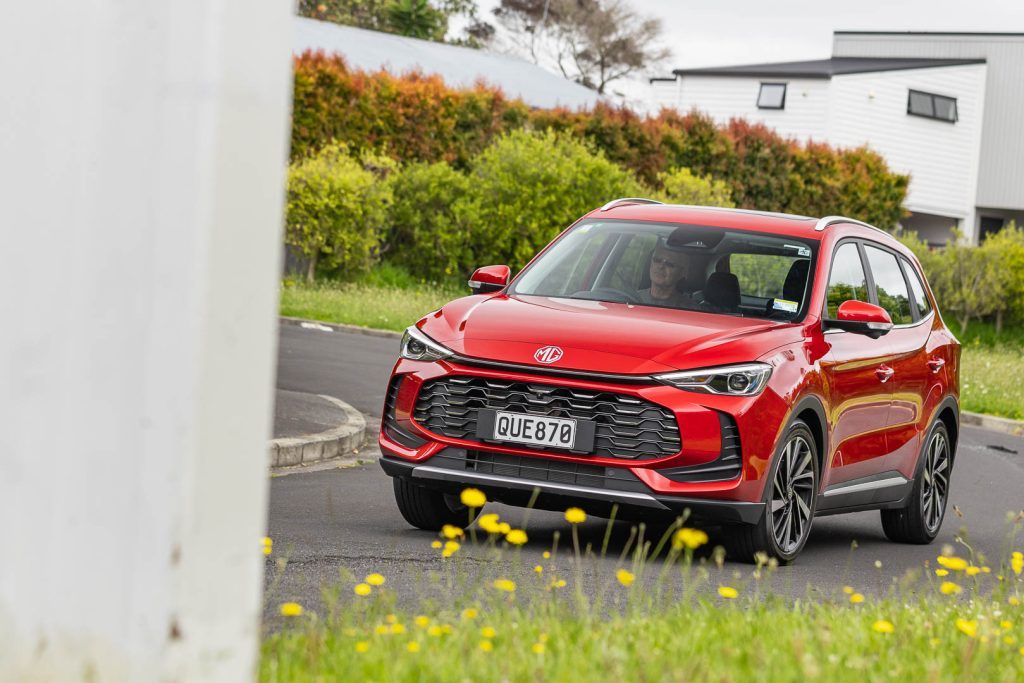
[{"x": 724, "y": 32}]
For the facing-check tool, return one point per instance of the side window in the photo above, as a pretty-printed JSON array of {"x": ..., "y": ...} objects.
[
  {"x": 890, "y": 285},
  {"x": 629, "y": 271},
  {"x": 847, "y": 280},
  {"x": 917, "y": 295}
]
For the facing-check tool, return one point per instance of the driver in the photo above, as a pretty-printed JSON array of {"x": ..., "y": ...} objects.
[{"x": 668, "y": 268}]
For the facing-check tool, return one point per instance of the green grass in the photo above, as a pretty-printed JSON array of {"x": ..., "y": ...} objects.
[
  {"x": 992, "y": 372},
  {"x": 671, "y": 624}
]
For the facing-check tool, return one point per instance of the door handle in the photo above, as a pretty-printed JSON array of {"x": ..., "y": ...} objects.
[
  {"x": 936, "y": 364},
  {"x": 884, "y": 373}
]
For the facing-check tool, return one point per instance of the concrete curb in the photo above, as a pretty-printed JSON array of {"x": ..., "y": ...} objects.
[
  {"x": 340, "y": 327},
  {"x": 993, "y": 423},
  {"x": 313, "y": 448}
]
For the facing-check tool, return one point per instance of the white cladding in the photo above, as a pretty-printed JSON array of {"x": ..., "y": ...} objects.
[{"x": 1001, "y": 172}]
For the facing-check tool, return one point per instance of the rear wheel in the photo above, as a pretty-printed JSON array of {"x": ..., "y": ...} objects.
[
  {"x": 790, "y": 502},
  {"x": 919, "y": 522},
  {"x": 428, "y": 509}
]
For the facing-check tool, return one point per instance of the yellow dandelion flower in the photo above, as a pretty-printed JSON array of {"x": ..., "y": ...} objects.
[
  {"x": 436, "y": 545},
  {"x": 450, "y": 531},
  {"x": 488, "y": 632},
  {"x": 575, "y": 516},
  {"x": 968, "y": 627},
  {"x": 1017, "y": 563},
  {"x": 689, "y": 538},
  {"x": 268, "y": 545},
  {"x": 1009, "y": 640},
  {"x": 883, "y": 626},
  {"x": 1021, "y": 651},
  {"x": 539, "y": 569},
  {"x": 856, "y": 598},
  {"x": 381, "y": 630},
  {"x": 941, "y": 572},
  {"x": 435, "y": 630},
  {"x": 398, "y": 629},
  {"x": 362, "y": 589},
  {"x": 507, "y": 585},
  {"x": 486, "y": 645},
  {"x": 1014, "y": 600},
  {"x": 972, "y": 571},
  {"x": 422, "y": 621},
  {"x": 728, "y": 592},
  {"x": 489, "y": 523},
  {"x": 504, "y": 528},
  {"x": 375, "y": 579},
  {"x": 391, "y": 619},
  {"x": 450, "y": 548},
  {"x": 1005, "y": 625},
  {"x": 546, "y": 555},
  {"x": 291, "y": 609},
  {"x": 470, "y": 613},
  {"x": 848, "y": 590},
  {"x": 473, "y": 498},
  {"x": 516, "y": 537},
  {"x": 625, "y": 577},
  {"x": 949, "y": 588},
  {"x": 362, "y": 646},
  {"x": 413, "y": 646},
  {"x": 957, "y": 564},
  {"x": 986, "y": 570},
  {"x": 560, "y": 583},
  {"x": 538, "y": 648}
]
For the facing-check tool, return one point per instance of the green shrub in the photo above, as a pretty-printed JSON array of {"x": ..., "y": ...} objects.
[
  {"x": 528, "y": 186},
  {"x": 337, "y": 209},
  {"x": 681, "y": 186},
  {"x": 432, "y": 222}
]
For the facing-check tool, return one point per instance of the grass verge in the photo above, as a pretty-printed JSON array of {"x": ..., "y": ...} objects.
[
  {"x": 992, "y": 373},
  {"x": 657, "y": 621}
]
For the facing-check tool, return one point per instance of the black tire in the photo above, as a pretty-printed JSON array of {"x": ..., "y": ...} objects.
[
  {"x": 428, "y": 509},
  {"x": 919, "y": 522},
  {"x": 791, "y": 497}
]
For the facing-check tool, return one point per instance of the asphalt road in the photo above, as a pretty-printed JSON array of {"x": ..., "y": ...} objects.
[{"x": 345, "y": 519}]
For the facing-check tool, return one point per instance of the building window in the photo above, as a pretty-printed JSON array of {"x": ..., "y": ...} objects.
[
  {"x": 772, "y": 96},
  {"x": 932, "y": 106}
]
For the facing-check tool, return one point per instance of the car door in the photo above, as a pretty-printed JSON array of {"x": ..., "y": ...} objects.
[
  {"x": 857, "y": 370},
  {"x": 908, "y": 341}
]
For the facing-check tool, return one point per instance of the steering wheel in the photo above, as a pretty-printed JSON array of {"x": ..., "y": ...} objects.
[{"x": 626, "y": 297}]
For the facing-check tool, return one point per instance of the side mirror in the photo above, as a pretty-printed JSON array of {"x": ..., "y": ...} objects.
[
  {"x": 489, "y": 279},
  {"x": 861, "y": 317}
]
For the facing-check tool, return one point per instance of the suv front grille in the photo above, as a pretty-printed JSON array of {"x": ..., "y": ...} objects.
[{"x": 626, "y": 426}]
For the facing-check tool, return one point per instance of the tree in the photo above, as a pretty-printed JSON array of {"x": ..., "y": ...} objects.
[
  {"x": 592, "y": 42},
  {"x": 417, "y": 19},
  {"x": 681, "y": 186},
  {"x": 423, "y": 19}
]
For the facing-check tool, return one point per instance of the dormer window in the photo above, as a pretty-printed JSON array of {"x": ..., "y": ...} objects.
[
  {"x": 931, "y": 106},
  {"x": 772, "y": 96}
]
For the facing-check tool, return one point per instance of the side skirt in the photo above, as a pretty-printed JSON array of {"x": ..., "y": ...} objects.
[{"x": 878, "y": 491}]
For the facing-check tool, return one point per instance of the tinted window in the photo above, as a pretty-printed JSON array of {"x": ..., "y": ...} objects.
[
  {"x": 918, "y": 297},
  {"x": 931, "y": 106},
  {"x": 890, "y": 285},
  {"x": 847, "y": 280},
  {"x": 772, "y": 96}
]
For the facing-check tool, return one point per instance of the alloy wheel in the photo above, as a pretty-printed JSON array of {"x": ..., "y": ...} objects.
[
  {"x": 935, "y": 481},
  {"x": 792, "y": 495}
]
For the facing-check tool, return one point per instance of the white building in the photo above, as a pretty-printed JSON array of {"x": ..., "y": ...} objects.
[
  {"x": 460, "y": 67},
  {"x": 945, "y": 108}
]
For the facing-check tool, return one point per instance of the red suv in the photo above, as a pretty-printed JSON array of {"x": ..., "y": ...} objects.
[{"x": 753, "y": 369}]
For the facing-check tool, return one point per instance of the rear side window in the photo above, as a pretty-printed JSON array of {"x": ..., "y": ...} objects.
[
  {"x": 917, "y": 296},
  {"x": 847, "y": 281},
  {"x": 889, "y": 285}
]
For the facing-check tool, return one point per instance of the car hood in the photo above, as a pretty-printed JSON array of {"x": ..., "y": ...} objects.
[{"x": 600, "y": 336}]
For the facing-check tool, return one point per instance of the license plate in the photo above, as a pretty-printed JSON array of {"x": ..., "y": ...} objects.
[{"x": 538, "y": 431}]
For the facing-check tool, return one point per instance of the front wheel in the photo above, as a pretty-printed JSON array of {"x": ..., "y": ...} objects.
[
  {"x": 791, "y": 499},
  {"x": 428, "y": 509},
  {"x": 919, "y": 522}
]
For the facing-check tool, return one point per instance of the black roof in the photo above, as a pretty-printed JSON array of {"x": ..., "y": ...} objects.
[{"x": 825, "y": 68}]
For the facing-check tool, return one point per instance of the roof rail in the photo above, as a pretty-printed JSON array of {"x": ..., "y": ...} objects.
[
  {"x": 829, "y": 220},
  {"x": 629, "y": 200}
]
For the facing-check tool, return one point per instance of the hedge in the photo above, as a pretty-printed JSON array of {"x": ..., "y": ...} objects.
[{"x": 416, "y": 118}]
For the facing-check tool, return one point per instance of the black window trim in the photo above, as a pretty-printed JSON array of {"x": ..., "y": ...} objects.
[
  {"x": 907, "y": 264},
  {"x": 828, "y": 277},
  {"x": 785, "y": 90},
  {"x": 956, "y": 107}
]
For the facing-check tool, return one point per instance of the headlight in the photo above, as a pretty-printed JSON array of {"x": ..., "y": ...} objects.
[
  {"x": 418, "y": 346},
  {"x": 733, "y": 380}
]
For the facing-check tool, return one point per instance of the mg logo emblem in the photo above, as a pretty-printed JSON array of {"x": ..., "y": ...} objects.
[{"x": 547, "y": 354}]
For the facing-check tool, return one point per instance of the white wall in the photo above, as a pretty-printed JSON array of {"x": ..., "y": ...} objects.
[
  {"x": 941, "y": 157},
  {"x": 805, "y": 116},
  {"x": 142, "y": 149}
]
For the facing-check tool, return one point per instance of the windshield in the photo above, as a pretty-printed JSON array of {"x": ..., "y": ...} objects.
[{"x": 689, "y": 267}]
